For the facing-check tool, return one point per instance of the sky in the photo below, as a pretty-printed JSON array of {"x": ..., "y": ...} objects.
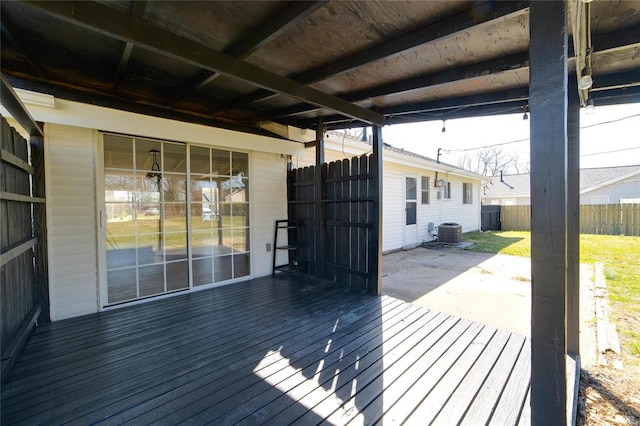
[{"x": 602, "y": 144}]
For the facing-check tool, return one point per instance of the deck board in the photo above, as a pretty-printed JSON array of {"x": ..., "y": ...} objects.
[{"x": 276, "y": 350}]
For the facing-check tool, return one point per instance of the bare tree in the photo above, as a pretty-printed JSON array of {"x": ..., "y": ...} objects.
[{"x": 491, "y": 161}]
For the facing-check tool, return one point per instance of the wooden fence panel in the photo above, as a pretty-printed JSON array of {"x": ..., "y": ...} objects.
[
  {"x": 17, "y": 295},
  {"x": 515, "y": 218},
  {"x": 597, "y": 219},
  {"x": 347, "y": 211}
]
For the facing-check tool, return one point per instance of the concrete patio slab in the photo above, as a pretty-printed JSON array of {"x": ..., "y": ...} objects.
[{"x": 487, "y": 288}]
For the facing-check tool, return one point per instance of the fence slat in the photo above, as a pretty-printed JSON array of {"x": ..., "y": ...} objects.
[{"x": 598, "y": 219}]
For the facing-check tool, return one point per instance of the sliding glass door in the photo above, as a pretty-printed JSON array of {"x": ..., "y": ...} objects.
[{"x": 153, "y": 245}]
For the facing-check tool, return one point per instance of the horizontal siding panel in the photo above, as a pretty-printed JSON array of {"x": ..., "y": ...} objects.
[
  {"x": 77, "y": 191},
  {"x": 81, "y": 222},
  {"x": 63, "y": 230},
  {"x": 70, "y": 261},
  {"x": 82, "y": 171},
  {"x": 66, "y": 210},
  {"x": 72, "y": 273},
  {"x": 269, "y": 203},
  {"x": 72, "y": 249},
  {"x": 71, "y": 198},
  {"x": 70, "y": 292},
  {"x": 68, "y": 242},
  {"x": 72, "y": 310},
  {"x": 73, "y": 181}
]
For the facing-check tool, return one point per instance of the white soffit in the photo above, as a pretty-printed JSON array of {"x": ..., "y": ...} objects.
[{"x": 60, "y": 111}]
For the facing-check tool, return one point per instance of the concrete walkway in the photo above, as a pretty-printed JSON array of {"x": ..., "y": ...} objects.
[{"x": 487, "y": 288}]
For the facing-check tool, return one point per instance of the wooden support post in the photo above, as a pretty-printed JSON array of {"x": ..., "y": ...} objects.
[
  {"x": 319, "y": 211},
  {"x": 573, "y": 223},
  {"x": 548, "y": 106},
  {"x": 40, "y": 229},
  {"x": 375, "y": 243}
]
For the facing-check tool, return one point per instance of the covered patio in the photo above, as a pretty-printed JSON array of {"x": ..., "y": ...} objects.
[
  {"x": 289, "y": 349},
  {"x": 264, "y": 80}
]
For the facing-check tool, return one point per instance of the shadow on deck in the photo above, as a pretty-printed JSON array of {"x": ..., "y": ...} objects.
[{"x": 280, "y": 350}]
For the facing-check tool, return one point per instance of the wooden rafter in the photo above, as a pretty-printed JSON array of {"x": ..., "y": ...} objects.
[
  {"x": 138, "y": 9},
  {"x": 16, "y": 108},
  {"x": 607, "y": 43},
  {"x": 13, "y": 33},
  {"x": 494, "y": 66},
  {"x": 484, "y": 14},
  {"x": 112, "y": 23},
  {"x": 271, "y": 29}
]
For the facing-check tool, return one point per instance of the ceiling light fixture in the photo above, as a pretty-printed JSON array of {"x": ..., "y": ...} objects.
[
  {"x": 525, "y": 116},
  {"x": 586, "y": 81},
  {"x": 444, "y": 127},
  {"x": 590, "y": 108}
]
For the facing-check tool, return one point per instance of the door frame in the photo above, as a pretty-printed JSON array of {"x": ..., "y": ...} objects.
[
  {"x": 414, "y": 234},
  {"x": 102, "y": 290}
]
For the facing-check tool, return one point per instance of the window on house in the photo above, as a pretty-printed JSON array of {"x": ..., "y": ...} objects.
[
  {"x": 467, "y": 193},
  {"x": 425, "y": 188}
]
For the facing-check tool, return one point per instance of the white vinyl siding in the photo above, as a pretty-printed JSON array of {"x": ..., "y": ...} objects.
[
  {"x": 71, "y": 207},
  {"x": 268, "y": 204}
]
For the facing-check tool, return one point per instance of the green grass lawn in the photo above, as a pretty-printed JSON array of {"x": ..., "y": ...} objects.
[{"x": 621, "y": 259}]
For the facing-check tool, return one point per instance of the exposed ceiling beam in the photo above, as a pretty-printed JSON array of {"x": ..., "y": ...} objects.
[
  {"x": 122, "y": 65},
  {"x": 110, "y": 101},
  {"x": 494, "y": 66},
  {"x": 432, "y": 110},
  {"x": 12, "y": 32},
  {"x": 628, "y": 38},
  {"x": 16, "y": 108},
  {"x": 138, "y": 9},
  {"x": 112, "y": 23},
  {"x": 609, "y": 89},
  {"x": 481, "y": 15},
  {"x": 275, "y": 26}
]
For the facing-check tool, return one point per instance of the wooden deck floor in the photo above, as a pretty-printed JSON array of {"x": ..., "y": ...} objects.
[{"x": 283, "y": 350}]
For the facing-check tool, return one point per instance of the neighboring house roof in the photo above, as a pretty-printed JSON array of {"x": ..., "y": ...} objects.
[{"x": 513, "y": 186}]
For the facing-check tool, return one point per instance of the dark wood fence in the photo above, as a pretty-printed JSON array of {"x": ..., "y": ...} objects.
[
  {"x": 21, "y": 214},
  {"x": 490, "y": 218},
  {"x": 335, "y": 230}
]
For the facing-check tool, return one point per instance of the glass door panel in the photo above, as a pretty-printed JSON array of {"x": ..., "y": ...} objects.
[
  {"x": 146, "y": 228},
  {"x": 152, "y": 245}
]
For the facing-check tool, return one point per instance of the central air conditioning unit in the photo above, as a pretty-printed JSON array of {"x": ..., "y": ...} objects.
[{"x": 450, "y": 233}]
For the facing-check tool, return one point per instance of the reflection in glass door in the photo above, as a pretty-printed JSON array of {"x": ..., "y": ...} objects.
[
  {"x": 219, "y": 215},
  {"x": 147, "y": 199},
  {"x": 146, "y": 228}
]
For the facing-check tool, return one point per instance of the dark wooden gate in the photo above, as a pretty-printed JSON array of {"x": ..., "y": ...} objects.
[
  {"x": 23, "y": 291},
  {"x": 490, "y": 216},
  {"x": 334, "y": 233}
]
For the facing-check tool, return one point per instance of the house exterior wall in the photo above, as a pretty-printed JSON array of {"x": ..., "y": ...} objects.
[
  {"x": 511, "y": 201},
  {"x": 393, "y": 203},
  {"x": 71, "y": 214},
  {"x": 611, "y": 194},
  {"x": 73, "y": 173},
  {"x": 268, "y": 203}
]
